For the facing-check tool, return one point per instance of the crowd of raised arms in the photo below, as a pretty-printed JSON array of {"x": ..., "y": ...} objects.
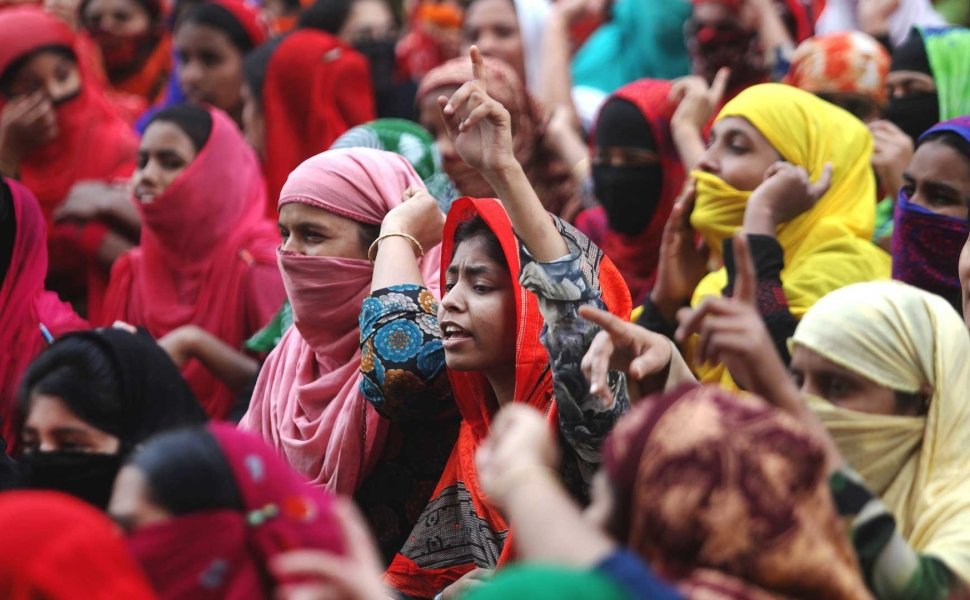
[{"x": 485, "y": 299}]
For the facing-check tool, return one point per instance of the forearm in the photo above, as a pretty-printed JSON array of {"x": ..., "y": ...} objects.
[
  {"x": 549, "y": 526},
  {"x": 227, "y": 364},
  {"x": 123, "y": 216},
  {"x": 396, "y": 262},
  {"x": 556, "y": 74},
  {"x": 9, "y": 164},
  {"x": 688, "y": 141},
  {"x": 530, "y": 221},
  {"x": 113, "y": 245}
]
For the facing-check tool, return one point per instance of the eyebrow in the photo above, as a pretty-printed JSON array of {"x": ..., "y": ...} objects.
[
  {"x": 471, "y": 270},
  {"x": 305, "y": 225}
]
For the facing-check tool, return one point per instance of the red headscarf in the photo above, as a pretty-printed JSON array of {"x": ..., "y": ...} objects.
[
  {"x": 93, "y": 143},
  {"x": 477, "y": 403},
  {"x": 59, "y": 548},
  {"x": 307, "y": 402},
  {"x": 316, "y": 88},
  {"x": 224, "y": 554},
  {"x": 207, "y": 257},
  {"x": 248, "y": 18},
  {"x": 636, "y": 256},
  {"x": 24, "y": 304}
]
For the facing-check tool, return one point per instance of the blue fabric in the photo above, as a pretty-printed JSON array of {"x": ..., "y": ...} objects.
[
  {"x": 173, "y": 95},
  {"x": 645, "y": 38},
  {"x": 630, "y": 573}
]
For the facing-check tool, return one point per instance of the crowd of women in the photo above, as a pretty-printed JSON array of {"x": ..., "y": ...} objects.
[{"x": 582, "y": 299}]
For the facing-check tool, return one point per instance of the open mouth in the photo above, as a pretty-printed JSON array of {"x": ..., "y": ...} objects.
[{"x": 453, "y": 334}]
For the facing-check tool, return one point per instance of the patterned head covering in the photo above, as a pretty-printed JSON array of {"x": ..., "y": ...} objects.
[
  {"x": 725, "y": 489},
  {"x": 848, "y": 61},
  {"x": 411, "y": 141}
]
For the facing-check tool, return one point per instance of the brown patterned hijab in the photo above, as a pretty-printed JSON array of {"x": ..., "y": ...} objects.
[{"x": 728, "y": 498}]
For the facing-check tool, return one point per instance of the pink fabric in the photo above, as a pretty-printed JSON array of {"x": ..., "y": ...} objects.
[
  {"x": 224, "y": 554},
  {"x": 202, "y": 241},
  {"x": 307, "y": 402},
  {"x": 24, "y": 304}
]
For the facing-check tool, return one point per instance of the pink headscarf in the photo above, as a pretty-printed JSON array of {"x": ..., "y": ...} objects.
[
  {"x": 202, "y": 238},
  {"x": 307, "y": 402},
  {"x": 24, "y": 304},
  {"x": 224, "y": 554}
]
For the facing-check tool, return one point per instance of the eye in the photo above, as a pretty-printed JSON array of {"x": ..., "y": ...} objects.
[
  {"x": 838, "y": 387},
  {"x": 284, "y": 232},
  {"x": 797, "y": 378},
  {"x": 173, "y": 162},
  {"x": 481, "y": 289},
  {"x": 142, "y": 161},
  {"x": 449, "y": 285},
  {"x": 908, "y": 189}
]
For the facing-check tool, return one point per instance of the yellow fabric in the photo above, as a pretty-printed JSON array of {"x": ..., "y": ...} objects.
[
  {"x": 827, "y": 247},
  {"x": 908, "y": 340}
]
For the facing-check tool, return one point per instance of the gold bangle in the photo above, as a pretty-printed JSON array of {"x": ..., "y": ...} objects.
[{"x": 372, "y": 251}]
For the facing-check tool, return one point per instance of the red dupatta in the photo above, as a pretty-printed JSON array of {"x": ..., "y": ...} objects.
[
  {"x": 316, "y": 88},
  {"x": 202, "y": 240},
  {"x": 636, "y": 256},
  {"x": 435, "y": 555},
  {"x": 93, "y": 143},
  {"x": 25, "y": 305}
]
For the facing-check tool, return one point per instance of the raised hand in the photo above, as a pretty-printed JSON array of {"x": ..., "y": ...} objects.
[
  {"x": 785, "y": 193},
  {"x": 621, "y": 346},
  {"x": 479, "y": 126},
  {"x": 418, "y": 216},
  {"x": 891, "y": 153},
  {"x": 681, "y": 265},
  {"x": 696, "y": 101}
]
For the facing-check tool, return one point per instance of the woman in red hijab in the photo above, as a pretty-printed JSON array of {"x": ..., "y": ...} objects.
[
  {"x": 207, "y": 511},
  {"x": 59, "y": 548},
  {"x": 637, "y": 175},
  {"x": 25, "y": 306},
  {"x": 300, "y": 95},
  {"x": 207, "y": 253},
  {"x": 59, "y": 130},
  {"x": 508, "y": 331}
]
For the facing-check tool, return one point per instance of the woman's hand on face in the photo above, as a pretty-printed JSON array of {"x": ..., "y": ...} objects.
[
  {"x": 785, "y": 193},
  {"x": 25, "y": 123},
  {"x": 479, "y": 126},
  {"x": 892, "y": 150},
  {"x": 326, "y": 576},
  {"x": 681, "y": 265},
  {"x": 519, "y": 437},
  {"x": 621, "y": 346},
  {"x": 418, "y": 215},
  {"x": 696, "y": 101}
]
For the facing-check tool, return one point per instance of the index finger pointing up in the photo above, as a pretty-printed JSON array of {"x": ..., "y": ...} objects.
[{"x": 478, "y": 67}]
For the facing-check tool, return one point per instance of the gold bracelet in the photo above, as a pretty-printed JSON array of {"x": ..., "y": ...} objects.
[{"x": 372, "y": 251}]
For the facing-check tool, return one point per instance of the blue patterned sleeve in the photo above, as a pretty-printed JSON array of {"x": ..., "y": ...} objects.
[
  {"x": 402, "y": 360},
  {"x": 561, "y": 287}
]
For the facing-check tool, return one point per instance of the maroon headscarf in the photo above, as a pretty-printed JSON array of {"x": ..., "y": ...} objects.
[{"x": 223, "y": 554}]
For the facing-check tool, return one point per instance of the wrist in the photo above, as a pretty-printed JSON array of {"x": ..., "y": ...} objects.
[
  {"x": 759, "y": 219},
  {"x": 666, "y": 304},
  {"x": 503, "y": 176}
]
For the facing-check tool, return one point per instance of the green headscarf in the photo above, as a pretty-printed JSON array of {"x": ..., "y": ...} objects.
[
  {"x": 542, "y": 582},
  {"x": 644, "y": 38},
  {"x": 411, "y": 141},
  {"x": 948, "y": 50},
  {"x": 406, "y": 138}
]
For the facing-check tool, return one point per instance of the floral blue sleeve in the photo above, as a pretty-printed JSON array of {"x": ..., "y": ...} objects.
[
  {"x": 561, "y": 287},
  {"x": 402, "y": 359}
]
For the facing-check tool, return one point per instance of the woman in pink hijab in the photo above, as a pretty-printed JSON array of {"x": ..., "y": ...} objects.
[
  {"x": 307, "y": 403},
  {"x": 206, "y": 252},
  {"x": 24, "y": 303}
]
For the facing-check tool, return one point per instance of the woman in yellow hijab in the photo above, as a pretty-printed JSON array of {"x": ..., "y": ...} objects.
[
  {"x": 793, "y": 173},
  {"x": 885, "y": 366}
]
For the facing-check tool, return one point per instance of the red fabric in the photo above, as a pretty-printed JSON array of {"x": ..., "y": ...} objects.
[
  {"x": 24, "y": 305},
  {"x": 59, "y": 548},
  {"x": 636, "y": 256},
  {"x": 204, "y": 240},
  {"x": 316, "y": 88},
  {"x": 94, "y": 143},
  {"x": 224, "y": 554},
  {"x": 474, "y": 396}
]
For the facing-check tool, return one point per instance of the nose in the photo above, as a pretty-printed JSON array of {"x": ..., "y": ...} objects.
[
  {"x": 486, "y": 43},
  {"x": 291, "y": 244},
  {"x": 146, "y": 177},
  {"x": 709, "y": 162},
  {"x": 451, "y": 302},
  {"x": 190, "y": 76}
]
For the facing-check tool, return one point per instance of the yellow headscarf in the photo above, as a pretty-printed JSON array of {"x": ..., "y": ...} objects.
[
  {"x": 907, "y": 340},
  {"x": 827, "y": 247}
]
